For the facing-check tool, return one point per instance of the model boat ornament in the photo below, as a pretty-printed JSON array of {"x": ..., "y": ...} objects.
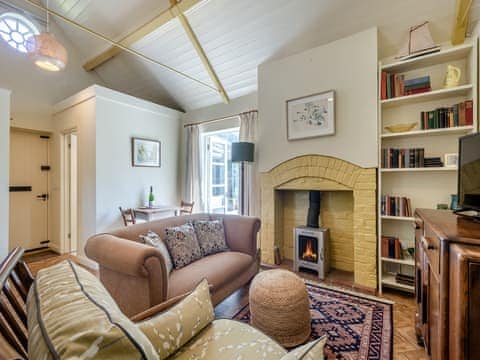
[{"x": 419, "y": 42}]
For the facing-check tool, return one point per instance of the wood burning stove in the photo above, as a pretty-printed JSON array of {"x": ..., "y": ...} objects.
[{"x": 311, "y": 250}]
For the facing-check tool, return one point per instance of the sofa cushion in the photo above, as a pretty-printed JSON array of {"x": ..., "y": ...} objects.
[
  {"x": 230, "y": 339},
  {"x": 172, "y": 329},
  {"x": 218, "y": 269},
  {"x": 153, "y": 239},
  {"x": 310, "y": 351},
  {"x": 211, "y": 236},
  {"x": 71, "y": 315},
  {"x": 183, "y": 245}
]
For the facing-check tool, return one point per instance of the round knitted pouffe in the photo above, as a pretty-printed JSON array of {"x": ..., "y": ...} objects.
[{"x": 279, "y": 306}]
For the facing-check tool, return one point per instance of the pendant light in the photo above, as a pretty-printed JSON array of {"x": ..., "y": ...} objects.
[{"x": 45, "y": 51}]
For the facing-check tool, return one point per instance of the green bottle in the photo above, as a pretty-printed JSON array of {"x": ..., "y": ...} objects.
[{"x": 151, "y": 198}]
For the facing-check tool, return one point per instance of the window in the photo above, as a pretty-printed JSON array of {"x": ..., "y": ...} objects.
[
  {"x": 15, "y": 29},
  {"x": 222, "y": 185}
]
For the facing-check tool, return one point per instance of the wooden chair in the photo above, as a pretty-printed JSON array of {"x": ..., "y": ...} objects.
[
  {"x": 186, "y": 208},
  {"x": 15, "y": 282},
  {"x": 128, "y": 216}
]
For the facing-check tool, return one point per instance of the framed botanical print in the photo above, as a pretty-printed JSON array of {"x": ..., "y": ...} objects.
[
  {"x": 145, "y": 152},
  {"x": 311, "y": 116}
]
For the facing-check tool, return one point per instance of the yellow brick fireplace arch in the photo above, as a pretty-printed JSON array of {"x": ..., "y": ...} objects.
[{"x": 324, "y": 173}]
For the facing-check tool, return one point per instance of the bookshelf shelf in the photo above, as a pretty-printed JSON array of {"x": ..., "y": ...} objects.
[
  {"x": 422, "y": 169},
  {"x": 408, "y": 262},
  {"x": 425, "y": 187},
  {"x": 431, "y": 132},
  {"x": 445, "y": 55},
  {"x": 398, "y": 218},
  {"x": 388, "y": 280},
  {"x": 461, "y": 90}
]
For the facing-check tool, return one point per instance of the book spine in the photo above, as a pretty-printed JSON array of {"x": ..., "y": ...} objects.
[
  {"x": 469, "y": 112},
  {"x": 384, "y": 86}
]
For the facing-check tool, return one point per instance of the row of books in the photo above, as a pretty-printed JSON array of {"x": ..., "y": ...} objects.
[
  {"x": 396, "y": 206},
  {"x": 394, "y": 85},
  {"x": 446, "y": 117},
  {"x": 391, "y": 247},
  {"x": 402, "y": 158},
  {"x": 405, "y": 279}
]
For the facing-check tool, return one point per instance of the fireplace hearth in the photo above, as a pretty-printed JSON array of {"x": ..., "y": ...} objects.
[{"x": 311, "y": 250}]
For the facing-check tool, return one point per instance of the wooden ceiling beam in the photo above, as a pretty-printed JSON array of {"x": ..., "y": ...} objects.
[
  {"x": 138, "y": 34},
  {"x": 462, "y": 15},
  {"x": 178, "y": 12}
]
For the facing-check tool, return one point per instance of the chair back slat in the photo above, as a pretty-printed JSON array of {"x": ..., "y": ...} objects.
[
  {"x": 15, "y": 281},
  {"x": 128, "y": 216},
  {"x": 13, "y": 322},
  {"x": 186, "y": 208},
  {"x": 17, "y": 305}
]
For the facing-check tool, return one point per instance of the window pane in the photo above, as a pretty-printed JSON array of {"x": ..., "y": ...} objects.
[
  {"x": 218, "y": 152},
  {"x": 218, "y": 191},
  {"x": 218, "y": 174}
]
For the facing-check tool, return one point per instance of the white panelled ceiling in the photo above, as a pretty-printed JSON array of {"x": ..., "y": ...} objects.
[{"x": 237, "y": 36}]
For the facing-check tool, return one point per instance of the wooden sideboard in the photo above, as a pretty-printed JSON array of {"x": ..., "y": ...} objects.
[{"x": 447, "y": 290}]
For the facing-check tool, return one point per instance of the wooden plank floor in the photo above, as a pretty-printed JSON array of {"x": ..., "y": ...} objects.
[{"x": 405, "y": 343}]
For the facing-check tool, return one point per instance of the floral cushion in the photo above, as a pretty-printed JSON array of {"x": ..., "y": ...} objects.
[
  {"x": 72, "y": 316},
  {"x": 310, "y": 351},
  {"x": 211, "y": 236},
  {"x": 172, "y": 329},
  {"x": 153, "y": 239},
  {"x": 183, "y": 245}
]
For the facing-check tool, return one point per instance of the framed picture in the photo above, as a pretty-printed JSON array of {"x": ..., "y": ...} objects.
[
  {"x": 451, "y": 160},
  {"x": 145, "y": 152},
  {"x": 311, "y": 116}
]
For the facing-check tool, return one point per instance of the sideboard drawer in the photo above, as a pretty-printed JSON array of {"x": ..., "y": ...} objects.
[{"x": 431, "y": 246}]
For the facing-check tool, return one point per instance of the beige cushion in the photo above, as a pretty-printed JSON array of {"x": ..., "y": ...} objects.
[
  {"x": 218, "y": 269},
  {"x": 230, "y": 339},
  {"x": 72, "y": 316},
  {"x": 310, "y": 351},
  {"x": 153, "y": 239},
  {"x": 172, "y": 329}
]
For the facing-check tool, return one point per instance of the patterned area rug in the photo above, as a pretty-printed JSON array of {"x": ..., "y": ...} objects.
[{"x": 357, "y": 327}]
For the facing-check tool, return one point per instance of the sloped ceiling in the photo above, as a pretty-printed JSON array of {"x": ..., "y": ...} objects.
[{"x": 237, "y": 36}]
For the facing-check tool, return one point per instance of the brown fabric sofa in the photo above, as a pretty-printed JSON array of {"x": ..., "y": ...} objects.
[{"x": 135, "y": 274}]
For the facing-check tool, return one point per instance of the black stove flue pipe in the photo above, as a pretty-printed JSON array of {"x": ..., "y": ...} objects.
[{"x": 313, "y": 209}]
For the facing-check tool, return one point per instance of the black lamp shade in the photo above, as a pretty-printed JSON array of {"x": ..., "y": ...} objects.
[{"x": 242, "y": 151}]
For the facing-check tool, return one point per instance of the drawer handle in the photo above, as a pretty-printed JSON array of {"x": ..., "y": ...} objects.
[{"x": 426, "y": 245}]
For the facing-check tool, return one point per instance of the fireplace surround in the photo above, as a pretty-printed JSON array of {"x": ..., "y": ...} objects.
[{"x": 324, "y": 173}]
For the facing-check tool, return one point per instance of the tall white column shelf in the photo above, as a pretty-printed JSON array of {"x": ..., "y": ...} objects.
[{"x": 426, "y": 187}]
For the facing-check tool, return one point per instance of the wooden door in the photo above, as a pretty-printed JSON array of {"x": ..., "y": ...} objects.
[
  {"x": 433, "y": 315},
  {"x": 28, "y": 190}
]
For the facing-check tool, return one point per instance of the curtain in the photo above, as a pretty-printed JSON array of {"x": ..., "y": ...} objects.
[
  {"x": 193, "y": 175},
  {"x": 250, "y": 193}
]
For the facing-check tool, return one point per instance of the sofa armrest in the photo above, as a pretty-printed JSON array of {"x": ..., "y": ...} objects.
[
  {"x": 241, "y": 233},
  {"x": 127, "y": 257}
]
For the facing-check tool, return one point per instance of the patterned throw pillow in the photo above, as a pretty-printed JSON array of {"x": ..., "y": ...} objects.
[
  {"x": 153, "y": 239},
  {"x": 172, "y": 329},
  {"x": 211, "y": 236},
  {"x": 183, "y": 245},
  {"x": 310, "y": 351}
]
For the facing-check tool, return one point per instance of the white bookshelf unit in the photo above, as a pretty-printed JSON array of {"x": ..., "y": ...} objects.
[{"x": 425, "y": 187}]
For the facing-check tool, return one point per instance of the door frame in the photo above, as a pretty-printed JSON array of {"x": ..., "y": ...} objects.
[{"x": 66, "y": 236}]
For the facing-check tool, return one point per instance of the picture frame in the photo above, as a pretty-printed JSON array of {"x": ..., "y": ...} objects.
[
  {"x": 146, "y": 152},
  {"x": 451, "y": 160},
  {"x": 311, "y": 116}
]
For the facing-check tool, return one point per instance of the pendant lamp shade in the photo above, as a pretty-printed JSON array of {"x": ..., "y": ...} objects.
[{"x": 46, "y": 52}]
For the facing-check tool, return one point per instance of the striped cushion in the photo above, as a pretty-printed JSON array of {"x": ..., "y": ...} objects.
[{"x": 71, "y": 315}]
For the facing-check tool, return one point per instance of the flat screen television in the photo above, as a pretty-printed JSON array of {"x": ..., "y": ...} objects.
[{"x": 469, "y": 173}]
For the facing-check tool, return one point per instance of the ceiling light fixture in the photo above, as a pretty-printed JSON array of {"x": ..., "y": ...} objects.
[{"x": 45, "y": 51}]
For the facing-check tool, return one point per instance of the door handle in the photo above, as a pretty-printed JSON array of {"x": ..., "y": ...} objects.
[{"x": 44, "y": 197}]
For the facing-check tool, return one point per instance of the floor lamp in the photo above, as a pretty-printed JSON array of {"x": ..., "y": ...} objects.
[{"x": 242, "y": 152}]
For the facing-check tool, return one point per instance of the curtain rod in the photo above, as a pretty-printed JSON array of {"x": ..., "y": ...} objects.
[{"x": 219, "y": 119}]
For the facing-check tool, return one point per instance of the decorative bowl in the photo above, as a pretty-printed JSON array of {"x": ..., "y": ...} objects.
[{"x": 401, "y": 127}]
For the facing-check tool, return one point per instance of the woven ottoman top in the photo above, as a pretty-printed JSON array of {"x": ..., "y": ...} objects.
[{"x": 279, "y": 306}]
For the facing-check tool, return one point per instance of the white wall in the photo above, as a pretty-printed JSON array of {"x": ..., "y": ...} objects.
[
  {"x": 119, "y": 118},
  {"x": 106, "y": 121},
  {"x": 348, "y": 66},
  {"x": 4, "y": 170}
]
